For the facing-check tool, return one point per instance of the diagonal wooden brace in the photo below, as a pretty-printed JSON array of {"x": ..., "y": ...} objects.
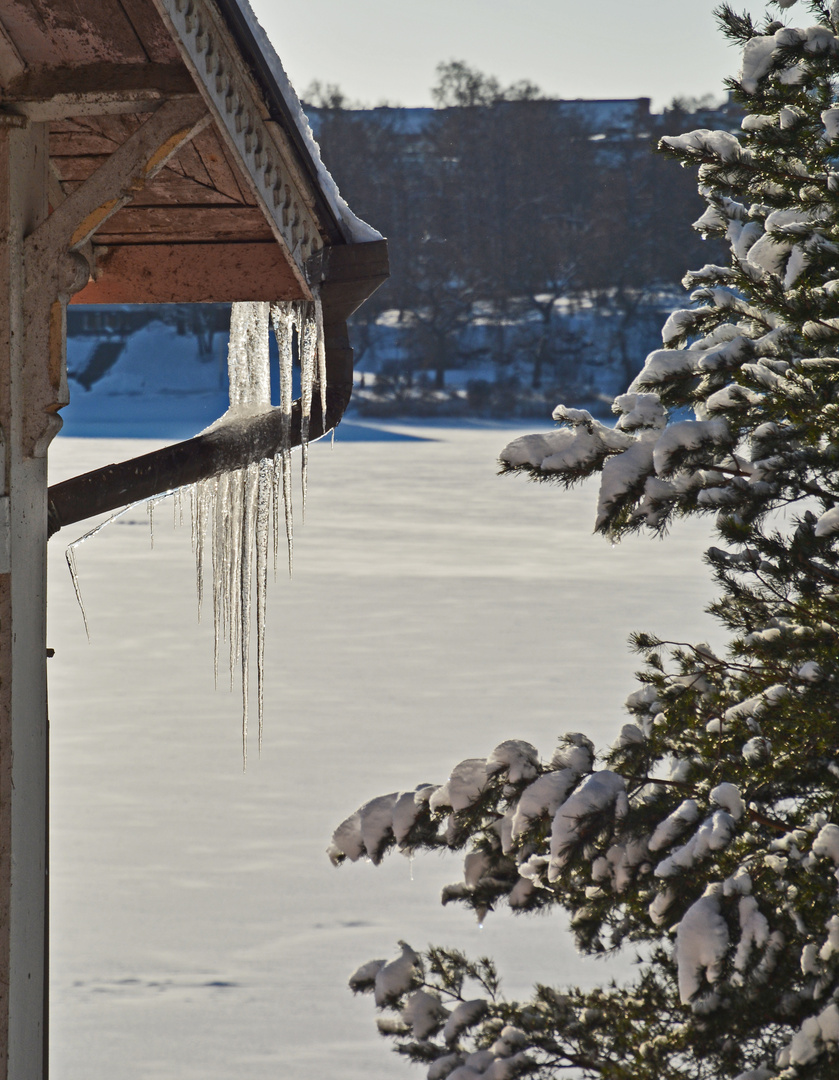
[
  {"x": 54, "y": 270},
  {"x": 138, "y": 160}
]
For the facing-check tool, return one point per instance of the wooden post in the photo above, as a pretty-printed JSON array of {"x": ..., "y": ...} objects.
[{"x": 23, "y": 684}]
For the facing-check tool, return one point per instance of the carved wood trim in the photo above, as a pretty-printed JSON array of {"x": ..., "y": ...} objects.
[{"x": 260, "y": 145}]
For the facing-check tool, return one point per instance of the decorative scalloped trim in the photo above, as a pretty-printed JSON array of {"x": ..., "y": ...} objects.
[{"x": 237, "y": 107}]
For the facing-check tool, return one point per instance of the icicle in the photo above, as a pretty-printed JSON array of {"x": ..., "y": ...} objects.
[
  {"x": 239, "y": 508},
  {"x": 284, "y": 319},
  {"x": 233, "y": 544},
  {"x": 217, "y": 514},
  {"x": 200, "y": 501},
  {"x": 246, "y": 520},
  {"x": 320, "y": 345},
  {"x": 232, "y": 514},
  {"x": 263, "y": 511},
  {"x": 308, "y": 356},
  {"x": 70, "y": 556}
]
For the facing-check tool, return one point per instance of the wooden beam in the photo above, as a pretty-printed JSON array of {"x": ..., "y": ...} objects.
[
  {"x": 190, "y": 273},
  {"x": 52, "y": 93},
  {"x": 219, "y": 451},
  {"x": 166, "y": 224}
]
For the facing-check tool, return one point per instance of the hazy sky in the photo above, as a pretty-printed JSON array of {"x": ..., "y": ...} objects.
[{"x": 387, "y": 50}]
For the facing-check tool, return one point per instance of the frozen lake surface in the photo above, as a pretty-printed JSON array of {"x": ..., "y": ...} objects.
[{"x": 198, "y": 929}]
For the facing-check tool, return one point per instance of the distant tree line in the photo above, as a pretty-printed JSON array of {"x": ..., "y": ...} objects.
[{"x": 499, "y": 203}]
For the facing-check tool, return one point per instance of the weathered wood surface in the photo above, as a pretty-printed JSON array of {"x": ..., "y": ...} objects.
[{"x": 191, "y": 273}]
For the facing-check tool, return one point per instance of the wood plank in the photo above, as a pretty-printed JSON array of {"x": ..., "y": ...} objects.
[
  {"x": 167, "y": 189},
  {"x": 232, "y": 165},
  {"x": 188, "y": 163},
  {"x": 190, "y": 273},
  {"x": 150, "y": 29},
  {"x": 81, "y": 142},
  {"x": 209, "y": 149},
  {"x": 137, "y": 162},
  {"x": 67, "y": 124},
  {"x": 12, "y": 64},
  {"x": 27, "y": 29},
  {"x": 87, "y": 31},
  {"x": 120, "y": 127},
  {"x": 99, "y": 80},
  {"x": 184, "y": 225}
]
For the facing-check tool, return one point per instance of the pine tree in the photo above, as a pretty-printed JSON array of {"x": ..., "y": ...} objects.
[{"x": 708, "y": 835}]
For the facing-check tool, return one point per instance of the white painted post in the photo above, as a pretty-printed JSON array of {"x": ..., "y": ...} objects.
[{"x": 23, "y": 692}]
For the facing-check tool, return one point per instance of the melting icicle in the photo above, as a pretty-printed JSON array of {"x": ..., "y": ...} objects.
[
  {"x": 308, "y": 364},
  {"x": 283, "y": 319},
  {"x": 178, "y": 507},
  {"x": 320, "y": 345},
  {"x": 70, "y": 556},
  {"x": 239, "y": 508}
]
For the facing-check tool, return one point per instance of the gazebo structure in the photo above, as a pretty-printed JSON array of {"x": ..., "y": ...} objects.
[{"x": 150, "y": 151}]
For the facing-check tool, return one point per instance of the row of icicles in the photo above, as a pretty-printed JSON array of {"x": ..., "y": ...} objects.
[{"x": 235, "y": 515}]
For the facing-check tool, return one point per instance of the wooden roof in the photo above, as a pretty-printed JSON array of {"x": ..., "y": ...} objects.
[{"x": 239, "y": 210}]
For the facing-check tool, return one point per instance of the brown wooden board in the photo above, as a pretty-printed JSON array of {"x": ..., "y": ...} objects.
[
  {"x": 182, "y": 224},
  {"x": 187, "y": 163},
  {"x": 41, "y": 84},
  {"x": 220, "y": 165},
  {"x": 27, "y": 29},
  {"x": 79, "y": 145},
  {"x": 167, "y": 188},
  {"x": 190, "y": 273},
  {"x": 50, "y": 32},
  {"x": 149, "y": 28}
]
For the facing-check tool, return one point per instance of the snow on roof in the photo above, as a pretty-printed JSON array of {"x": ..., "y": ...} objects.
[{"x": 269, "y": 66}]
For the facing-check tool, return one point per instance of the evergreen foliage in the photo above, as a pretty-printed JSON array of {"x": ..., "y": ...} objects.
[{"x": 707, "y": 836}]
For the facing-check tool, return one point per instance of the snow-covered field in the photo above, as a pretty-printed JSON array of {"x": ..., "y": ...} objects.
[{"x": 198, "y": 929}]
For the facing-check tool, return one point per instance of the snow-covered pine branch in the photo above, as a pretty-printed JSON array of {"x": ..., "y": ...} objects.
[{"x": 708, "y": 834}]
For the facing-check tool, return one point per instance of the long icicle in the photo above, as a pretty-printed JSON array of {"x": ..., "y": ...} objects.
[
  {"x": 247, "y": 519},
  {"x": 320, "y": 347},
  {"x": 308, "y": 351},
  {"x": 284, "y": 322},
  {"x": 263, "y": 517},
  {"x": 217, "y": 524}
]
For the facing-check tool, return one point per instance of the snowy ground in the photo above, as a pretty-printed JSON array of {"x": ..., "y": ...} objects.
[{"x": 198, "y": 930}]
